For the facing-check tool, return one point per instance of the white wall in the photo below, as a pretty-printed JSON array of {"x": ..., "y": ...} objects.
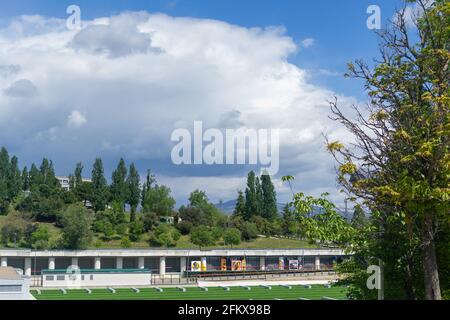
[{"x": 97, "y": 280}]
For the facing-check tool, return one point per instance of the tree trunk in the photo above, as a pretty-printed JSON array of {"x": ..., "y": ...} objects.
[
  {"x": 409, "y": 283},
  {"x": 430, "y": 268}
]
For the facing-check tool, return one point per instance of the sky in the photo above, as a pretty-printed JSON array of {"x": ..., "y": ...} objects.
[{"x": 138, "y": 70}]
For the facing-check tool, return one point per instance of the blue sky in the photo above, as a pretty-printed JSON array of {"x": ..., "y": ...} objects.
[{"x": 119, "y": 89}]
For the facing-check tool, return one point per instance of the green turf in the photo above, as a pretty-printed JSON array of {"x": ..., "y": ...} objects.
[{"x": 193, "y": 293}]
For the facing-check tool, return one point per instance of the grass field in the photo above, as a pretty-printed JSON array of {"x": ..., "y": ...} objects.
[{"x": 316, "y": 292}]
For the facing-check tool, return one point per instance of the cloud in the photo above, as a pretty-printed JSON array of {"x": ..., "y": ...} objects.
[
  {"x": 117, "y": 38},
  {"x": 76, "y": 120},
  {"x": 134, "y": 96},
  {"x": 307, "y": 43},
  {"x": 9, "y": 70},
  {"x": 21, "y": 89}
]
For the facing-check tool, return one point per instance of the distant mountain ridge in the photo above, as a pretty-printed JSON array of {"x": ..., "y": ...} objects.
[{"x": 228, "y": 208}]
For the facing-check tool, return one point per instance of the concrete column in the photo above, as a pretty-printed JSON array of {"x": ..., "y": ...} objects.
[
  {"x": 119, "y": 263},
  {"x": 27, "y": 270},
  {"x": 141, "y": 263},
  {"x": 183, "y": 261},
  {"x": 317, "y": 263},
  {"x": 262, "y": 263},
  {"x": 97, "y": 263},
  {"x": 75, "y": 261},
  {"x": 4, "y": 262},
  {"x": 162, "y": 266},
  {"x": 51, "y": 263}
]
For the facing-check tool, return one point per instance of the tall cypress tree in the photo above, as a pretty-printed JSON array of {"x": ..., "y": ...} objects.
[
  {"x": 34, "y": 177},
  {"x": 269, "y": 209},
  {"x": 148, "y": 184},
  {"x": 118, "y": 186},
  {"x": 25, "y": 179},
  {"x": 4, "y": 170},
  {"x": 78, "y": 174},
  {"x": 47, "y": 174},
  {"x": 259, "y": 197},
  {"x": 14, "y": 178},
  {"x": 99, "y": 186},
  {"x": 251, "y": 205},
  {"x": 134, "y": 190},
  {"x": 239, "y": 209}
]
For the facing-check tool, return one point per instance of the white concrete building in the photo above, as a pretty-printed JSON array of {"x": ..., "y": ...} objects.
[
  {"x": 88, "y": 278},
  {"x": 173, "y": 261},
  {"x": 64, "y": 182},
  {"x": 13, "y": 285}
]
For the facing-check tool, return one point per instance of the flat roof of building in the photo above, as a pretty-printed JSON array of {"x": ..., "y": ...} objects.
[
  {"x": 95, "y": 271},
  {"x": 8, "y": 273}
]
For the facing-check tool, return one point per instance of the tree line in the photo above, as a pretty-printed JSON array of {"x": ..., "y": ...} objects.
[{"x": 93, "y": 212}]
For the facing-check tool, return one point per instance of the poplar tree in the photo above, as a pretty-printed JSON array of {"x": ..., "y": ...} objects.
[
  {"x": 14, "y": 178},
  {"x": 78, "y": 174},
  {"x": 239, "y": 209},
  {"x": 134, "y": 190},
  {"x": 119, "y": 187},
  {"x": 99, "y": 186},
  {"x": 269, "y": 206},
  {"x": 25, "y": 179},
  {"x": 251, "y": 205}
]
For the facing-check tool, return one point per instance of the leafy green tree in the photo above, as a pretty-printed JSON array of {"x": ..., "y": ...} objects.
[
  {"x": 232, "y": 237},
  {"x": 164, "y": 236},
  {"x": 185, "y": 227},
  {"x": 133, "y": 190},
  {"x": 13, "y": 229},
  {"x": 76, "y": 227},
  {"x": 326, "y": 227},
  {"x": 99, "y": 186},
  {"x": 159, "y": 201},
  {"x": 148, "y": 184},
  {"x": 125, "y": 243},
  {"x": 44, "y": 203},
  {"x": 201, "y": 236},
  {"x": 192, "y": 215},
  {"x": 289, "y": 222},
  {"x": 239, "y": 209},
  {"x": 359, "y": 219},
  {"x": 399, "y": 163},
  {"x": 210, "y": 214},
  {"x": 136, "y": 230},
  {"x": 84, "y": 192},
  {"x": 150, "y": 220},
  {"x": 40, "y": 237}
]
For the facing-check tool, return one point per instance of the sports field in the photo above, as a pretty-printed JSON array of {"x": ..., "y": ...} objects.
[{"x": 316, "y": 292}]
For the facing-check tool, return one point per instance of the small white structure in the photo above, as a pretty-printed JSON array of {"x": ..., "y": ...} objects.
[
  {"x": 64, "y": 182},
  {"x": 96, "y": 278},
  {"x": 14, "y": 286}
]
